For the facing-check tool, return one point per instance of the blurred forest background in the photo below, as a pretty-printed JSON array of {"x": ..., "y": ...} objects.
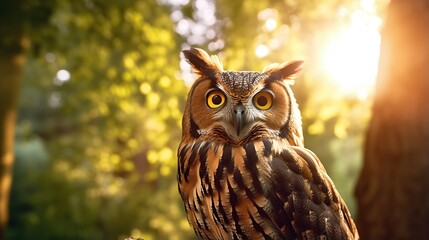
[{"x": 103, "y": 89}]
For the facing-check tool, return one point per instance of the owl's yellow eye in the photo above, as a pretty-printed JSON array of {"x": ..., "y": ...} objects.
[
  {"x": 215, "y": 99},
  {"x": 263, "y": 100}
]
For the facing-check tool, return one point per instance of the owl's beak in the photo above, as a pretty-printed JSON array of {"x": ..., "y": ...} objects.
[{"x": 239, "y": 118}]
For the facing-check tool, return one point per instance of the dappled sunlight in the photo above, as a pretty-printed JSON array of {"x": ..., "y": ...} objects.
[{"x": 350, "y": 58}]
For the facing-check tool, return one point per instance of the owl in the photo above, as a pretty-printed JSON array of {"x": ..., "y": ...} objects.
[{"x": 243, "y": 171}]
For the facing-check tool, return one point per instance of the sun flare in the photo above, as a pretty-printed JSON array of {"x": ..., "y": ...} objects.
[{"x": 350, "y": 58}]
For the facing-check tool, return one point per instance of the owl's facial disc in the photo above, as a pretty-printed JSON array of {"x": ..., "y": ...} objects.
[{"x": 239, "y": 117}]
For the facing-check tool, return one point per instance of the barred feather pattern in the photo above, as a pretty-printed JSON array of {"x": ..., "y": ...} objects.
[{"x": 262, "y": 189}]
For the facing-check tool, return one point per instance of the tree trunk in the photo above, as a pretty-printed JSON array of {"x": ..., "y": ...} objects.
[
  {"x": 11, "y": 65},
  {"x": 393, "y": 188}
]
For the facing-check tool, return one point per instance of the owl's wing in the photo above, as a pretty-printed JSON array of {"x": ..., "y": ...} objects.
[{"x": 310, "y": 199}]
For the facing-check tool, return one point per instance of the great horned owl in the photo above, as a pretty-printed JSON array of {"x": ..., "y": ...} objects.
[{"x": 243, "y": 172}]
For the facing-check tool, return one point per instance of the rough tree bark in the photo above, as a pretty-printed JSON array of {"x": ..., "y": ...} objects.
[
  {"x": 393, "y": 188},
  {"x": 11, "y": 65},
  {"x": 12, "y": 59},
  {"x": 18, "y": 19}
]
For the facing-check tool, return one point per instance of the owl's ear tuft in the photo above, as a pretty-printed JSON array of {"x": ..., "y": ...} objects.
[
  {"x": 202, "y": 63},
  {"x": 285, "y": 71}
]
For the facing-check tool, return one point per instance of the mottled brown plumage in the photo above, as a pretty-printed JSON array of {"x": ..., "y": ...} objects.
[{"x": 243, "y": 171}]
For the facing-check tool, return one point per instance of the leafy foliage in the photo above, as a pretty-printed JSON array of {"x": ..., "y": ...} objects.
[{"x": 94, "y": 150}]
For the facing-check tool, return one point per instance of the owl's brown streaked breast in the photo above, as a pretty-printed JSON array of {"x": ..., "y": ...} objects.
[{"x": 224, "y": 191}]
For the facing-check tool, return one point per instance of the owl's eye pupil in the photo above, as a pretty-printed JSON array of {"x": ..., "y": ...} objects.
[
  {"x": 217, "y": 99},
  {"x": 262, "y": 101}
]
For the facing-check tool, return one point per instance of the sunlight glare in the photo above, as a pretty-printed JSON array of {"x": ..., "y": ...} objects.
[
  {"x": 61, "y": 77},
  {"x": 270, "y": 24},
  {"x": 261, "y": 51},
  {"x": 351, "y": 57}
]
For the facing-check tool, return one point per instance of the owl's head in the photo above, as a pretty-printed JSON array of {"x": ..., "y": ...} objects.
[{"x": 238, "y": 106}]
